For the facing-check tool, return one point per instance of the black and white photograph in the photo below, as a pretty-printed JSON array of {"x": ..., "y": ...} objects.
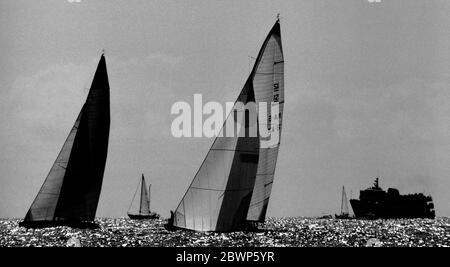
[{"x": 251, "y": 124}]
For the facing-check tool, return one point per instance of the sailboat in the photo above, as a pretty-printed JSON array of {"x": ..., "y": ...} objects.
[
  {"x": 144, "y": 203},
  {"x": 344, "y": 207},
  {"x": 231, "y": 189},
  {"x": 70, "y": 193}
]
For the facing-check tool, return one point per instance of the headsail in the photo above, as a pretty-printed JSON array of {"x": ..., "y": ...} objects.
[
  {"x": 220, "y": 194},
  {"x": 72, "y": 188}
]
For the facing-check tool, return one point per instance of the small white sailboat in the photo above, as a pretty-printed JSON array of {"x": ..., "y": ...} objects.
[
  {"x": 144, "y": 203},
  {"x": 345, "y": 214}
]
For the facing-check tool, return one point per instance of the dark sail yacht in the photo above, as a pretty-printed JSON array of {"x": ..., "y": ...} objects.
[{"x": 70, "y": 193}]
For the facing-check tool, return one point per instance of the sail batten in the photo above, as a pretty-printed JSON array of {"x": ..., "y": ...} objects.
[
  {"x": 72, "y": 188},
  {"x": 221, "y": 197}
]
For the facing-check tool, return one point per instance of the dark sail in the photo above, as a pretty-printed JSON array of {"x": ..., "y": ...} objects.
[
  {"x": 72, "y": 188},
  {"x": 222, "y": 195}
]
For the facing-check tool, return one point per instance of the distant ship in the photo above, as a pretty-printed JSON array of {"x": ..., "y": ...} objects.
[
  {"x": 144, "y": 203},
  {"x": 232, "y": 187},
  {"x": 345, "y": 214},
  {"x": 70, "y": 193},
  {"x": 374, "y": 203}
]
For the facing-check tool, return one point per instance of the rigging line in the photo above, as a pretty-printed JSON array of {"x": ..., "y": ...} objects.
[
  {"x": 65, "y": 168},
  {"x": 220, "y": 190},
  {"x": 250, "y": 64},
  {"x": 142, "y": 193},
  {"x": 264, "y": 174},
  {"x": 149, "y": 190},
  {"x": 268, "y": 73},
  {"x": 236, "y": 150},
  {"x": 256, "y": 203},
  {"x": 88, "y": 83},
  {"x": 133, "y": 198}
]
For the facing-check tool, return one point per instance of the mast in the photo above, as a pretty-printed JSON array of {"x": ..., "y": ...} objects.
[
  {"x": 149, "y": 192},
  {"x": 342, "y": 200},
  {"x": 72, "y": 188},
  {"x": 142, "y": 198}
]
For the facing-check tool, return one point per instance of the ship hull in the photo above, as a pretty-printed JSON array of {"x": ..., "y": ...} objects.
[
  {"x": 143, "y": 216},
  {"x": 68, "y": 223},
  {"x": 391, "y": 210},
  {"x": 375, "y": 203},
  {"x": 343, "y": 217},
  {"x": 249, "y": 227}
]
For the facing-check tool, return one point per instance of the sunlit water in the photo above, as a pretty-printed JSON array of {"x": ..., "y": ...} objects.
[{"x": 279, "y": 232}]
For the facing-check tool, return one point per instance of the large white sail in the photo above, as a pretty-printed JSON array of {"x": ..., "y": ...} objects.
[{"x": 220, "y": 194}]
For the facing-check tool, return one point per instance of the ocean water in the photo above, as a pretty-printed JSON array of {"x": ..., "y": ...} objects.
[{"x": 277, "y": 232}]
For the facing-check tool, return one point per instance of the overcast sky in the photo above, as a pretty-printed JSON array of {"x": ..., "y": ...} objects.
[{"x": 367, "y": 94}]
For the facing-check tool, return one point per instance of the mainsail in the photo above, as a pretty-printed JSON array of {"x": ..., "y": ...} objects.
[
  {"x": 234, "y": 181},
  {"x": 72, "y": 188}
]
